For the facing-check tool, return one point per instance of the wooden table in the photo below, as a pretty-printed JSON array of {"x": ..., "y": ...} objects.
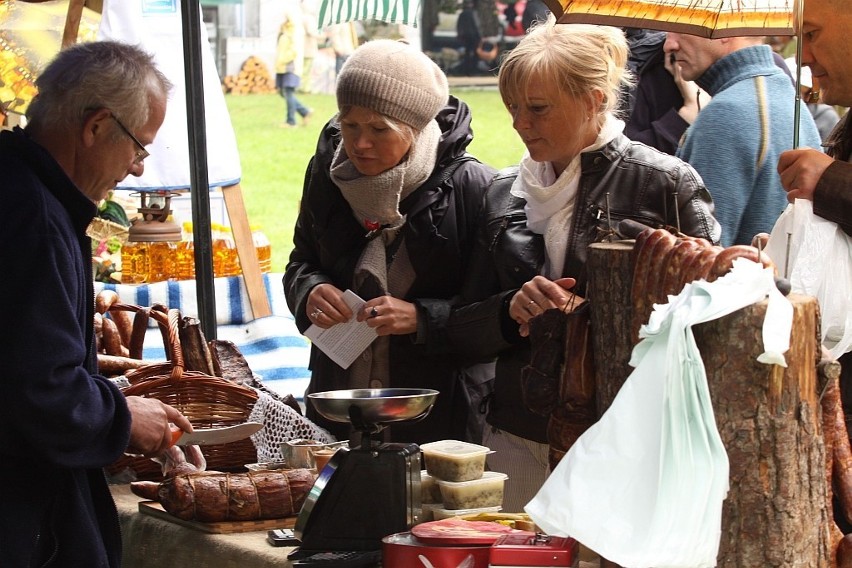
[{"x": 152, "y": 542}]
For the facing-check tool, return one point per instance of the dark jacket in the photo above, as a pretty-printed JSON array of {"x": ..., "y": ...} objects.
[
  {"x": 652, "y": 106},
  {"x": 439, "y": 234},
  {"x": 833, "y": 193},
  {"x": 640, "y": 182},
  {"x": 61, "y": 423}
]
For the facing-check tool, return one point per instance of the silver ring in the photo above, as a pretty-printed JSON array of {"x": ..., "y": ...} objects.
[
  {"x": 374, "y": 312},
  {"x": 315, "y": 314},
  {"x": 531, "y": 302}
]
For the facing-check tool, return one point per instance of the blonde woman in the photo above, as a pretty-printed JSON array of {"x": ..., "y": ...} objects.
[{"x": 560, "y": 86}]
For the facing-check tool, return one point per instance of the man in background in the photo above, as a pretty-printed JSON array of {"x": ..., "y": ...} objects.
[
  {"x": 661, "y": 105},
  {"x": 99, "y": 105},
  {"x": 735, "y": 141},
  {"x": 344, "y": 40},
  {"x": 310, "y": 19},
  {"x": 469, "y": 33}
]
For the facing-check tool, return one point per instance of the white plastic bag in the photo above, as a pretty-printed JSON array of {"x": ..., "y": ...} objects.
[
  {"x": 820, "y": 265},
  {"x": 644, "y": 486}
]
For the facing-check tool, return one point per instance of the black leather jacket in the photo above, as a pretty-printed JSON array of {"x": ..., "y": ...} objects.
[{"x": 639, "y": 182}]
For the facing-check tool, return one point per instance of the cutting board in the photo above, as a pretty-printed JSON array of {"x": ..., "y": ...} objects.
[{"x": 225, "y": 527}]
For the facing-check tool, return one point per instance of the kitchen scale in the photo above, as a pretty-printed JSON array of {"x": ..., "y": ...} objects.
[{"x": 370, "y": 491}]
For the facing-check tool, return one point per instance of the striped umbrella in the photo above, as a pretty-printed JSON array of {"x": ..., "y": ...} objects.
[
  {"x": 707, "y": 18},
  {"x": 390, "y": 11}
]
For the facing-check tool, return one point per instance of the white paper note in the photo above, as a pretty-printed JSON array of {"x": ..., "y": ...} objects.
[{"x": 345, "y": 341}]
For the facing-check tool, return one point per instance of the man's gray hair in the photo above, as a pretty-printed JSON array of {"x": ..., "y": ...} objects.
[{"x": 95, "y": 75}]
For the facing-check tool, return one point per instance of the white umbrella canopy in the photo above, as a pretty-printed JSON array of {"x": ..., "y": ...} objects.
[{"x": 706, "y": 18}]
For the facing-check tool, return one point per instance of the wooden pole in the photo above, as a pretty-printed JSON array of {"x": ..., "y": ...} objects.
[
  {"x": 245, "y": 249},
  {"x": 72, "y": 22}
]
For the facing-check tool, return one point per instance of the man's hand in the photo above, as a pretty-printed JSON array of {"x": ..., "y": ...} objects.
[
  {"x": 801, "y": 170},
  {"x": 694, "y": 99},
  {"x": 539, "y": 295},
  {"x": 150, "y": 431}
]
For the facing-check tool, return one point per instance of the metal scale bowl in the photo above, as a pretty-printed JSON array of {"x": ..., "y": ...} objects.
[{"x": 368, "y": 492}]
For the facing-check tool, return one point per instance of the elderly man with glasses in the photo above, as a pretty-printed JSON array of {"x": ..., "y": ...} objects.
[{"x": 99, "y": 105}]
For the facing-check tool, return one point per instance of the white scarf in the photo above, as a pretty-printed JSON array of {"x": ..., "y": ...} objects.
[{"x": 551, "y": 200}]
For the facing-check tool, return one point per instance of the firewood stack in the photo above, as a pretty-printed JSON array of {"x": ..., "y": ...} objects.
[{"x": 254, "y": 77}]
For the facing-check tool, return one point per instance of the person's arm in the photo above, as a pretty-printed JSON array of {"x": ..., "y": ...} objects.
[
  {"x": 303, "y": 272},
  {"x": 480, "y": 323},
  {"x": 694, "y": 99},
  {"x": 833, "y": 195},
  {"x": 809, "y": 174},
  {"x": 696, "y": 210},
  {"x": 471, "y": 181},
  {"x": 55, "y": 410}
]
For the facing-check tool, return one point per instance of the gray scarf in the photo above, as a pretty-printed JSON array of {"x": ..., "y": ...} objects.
[
  {"x": 375, "y": 204},
  {"x": 375, "y": 199}
]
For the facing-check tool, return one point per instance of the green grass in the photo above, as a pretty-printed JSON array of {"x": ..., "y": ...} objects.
[{"x": 274, "y": 159}]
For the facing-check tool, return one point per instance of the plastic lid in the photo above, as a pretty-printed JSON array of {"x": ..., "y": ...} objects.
[{"x": 454, "y": 448}]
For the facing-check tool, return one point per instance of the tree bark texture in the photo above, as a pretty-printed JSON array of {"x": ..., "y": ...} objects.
[
  {"x": 610, "y": 269},
  {"x": 769, "y": 418}
]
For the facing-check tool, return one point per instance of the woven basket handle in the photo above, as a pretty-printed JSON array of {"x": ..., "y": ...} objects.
[{"x": 168, "y": 321}]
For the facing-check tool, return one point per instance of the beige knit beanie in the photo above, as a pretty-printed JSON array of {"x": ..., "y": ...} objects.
[{"x": 394, "y": 79}]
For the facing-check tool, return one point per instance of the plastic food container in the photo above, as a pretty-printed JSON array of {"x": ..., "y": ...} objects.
[
  {"x": 429, "y": 491},
  {"x": 487, "y": 491},
  {"x": 452, "y": 460},
  {"x": 439, "y": 513}
]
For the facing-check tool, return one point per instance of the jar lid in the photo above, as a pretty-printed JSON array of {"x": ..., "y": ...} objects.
[{"x": 154, "y": 231}]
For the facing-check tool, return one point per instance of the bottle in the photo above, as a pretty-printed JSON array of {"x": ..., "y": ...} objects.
[
  {"x": 225, "y": 259},
  {"x": 231, "y": 265},
  {"x": 263, "y": 248},
  {"x": 134, "y": 262},
  {"x": 161, "y": 261},
  {"x": 185, "y": 254}
]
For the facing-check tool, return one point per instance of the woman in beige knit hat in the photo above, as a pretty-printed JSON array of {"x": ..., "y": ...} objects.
[
  {"x": 389, "y": 207},
  {"x": 560, "y": 85}
]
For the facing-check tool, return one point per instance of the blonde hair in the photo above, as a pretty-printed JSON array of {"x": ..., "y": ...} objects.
[{"x": 576, "y": 59}]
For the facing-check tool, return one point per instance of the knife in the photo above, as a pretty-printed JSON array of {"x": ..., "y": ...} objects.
[{"x": 211, "y": 436}]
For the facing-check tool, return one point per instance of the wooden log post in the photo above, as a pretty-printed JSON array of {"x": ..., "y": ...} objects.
[
  {"x": 252, "y": 276},
  {"x": 610, "y": 269},
  {"x": 769, "y": 418}
]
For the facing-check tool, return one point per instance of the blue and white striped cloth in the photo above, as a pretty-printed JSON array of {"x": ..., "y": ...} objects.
[{"x": 272, "y": 345}]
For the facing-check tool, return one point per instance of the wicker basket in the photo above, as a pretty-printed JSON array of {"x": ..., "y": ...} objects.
[
  {"x": 102, "y": 229},
  {"x": 207, "y": 401}
]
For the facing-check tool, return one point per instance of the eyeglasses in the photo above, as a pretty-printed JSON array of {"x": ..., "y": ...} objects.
[{"x": 141, "y": 153}]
